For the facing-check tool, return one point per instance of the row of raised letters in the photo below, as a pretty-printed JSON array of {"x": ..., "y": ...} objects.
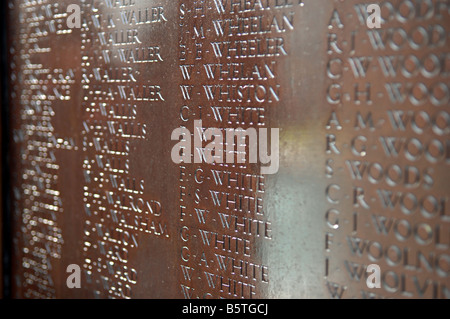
[
  {"x": 238, "y": 115},
  {"x": 231, "y": 179},
  {"x": 408, "y": 66},
  {"x": 252, "y": 48},
  {"x": 241, "y": 6},
  {"x": 254, "y": 25},
  {"x": 235, "y": 71}
]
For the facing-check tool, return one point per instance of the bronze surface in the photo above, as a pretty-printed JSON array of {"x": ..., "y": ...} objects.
[{"x": 364, "y": 149}]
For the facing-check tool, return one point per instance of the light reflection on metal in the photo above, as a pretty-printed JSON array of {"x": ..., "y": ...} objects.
[{"x": 364, "y": 144}]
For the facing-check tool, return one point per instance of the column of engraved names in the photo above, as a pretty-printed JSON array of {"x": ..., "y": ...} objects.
[
  {"x": 394, "y": 139},
  {"x": 118, "y": 210},
  {"x": 236, "y": 87},
  {"x": 44, "y": 89},
  {"x": 197, "y": 223},
  {"x": 188, "y": 41},
  {"x": 234, "y": 56},
  {"x": 233, "y": 190}
]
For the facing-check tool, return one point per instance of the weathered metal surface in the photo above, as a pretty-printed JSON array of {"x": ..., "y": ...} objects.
[{"x": 364, "y": 149}]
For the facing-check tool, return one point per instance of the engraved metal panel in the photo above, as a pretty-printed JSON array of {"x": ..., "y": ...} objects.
[{"x": 364, "y": 148}]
